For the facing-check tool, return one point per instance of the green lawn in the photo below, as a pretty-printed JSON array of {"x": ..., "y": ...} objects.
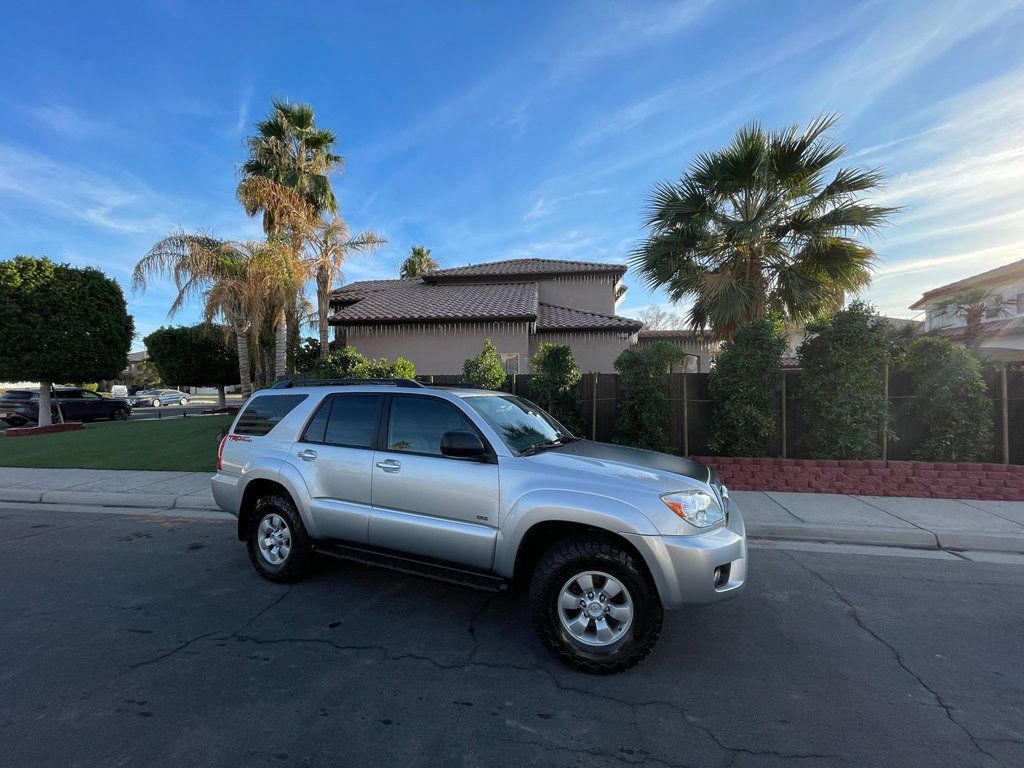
[{"x": 184, "y": 445}]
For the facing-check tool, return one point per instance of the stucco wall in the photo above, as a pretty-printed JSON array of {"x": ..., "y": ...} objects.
[
  {"x": 439, "y": 349},
  {"x": 591, "y": 293},
  {"x": 594, "y": 352}
]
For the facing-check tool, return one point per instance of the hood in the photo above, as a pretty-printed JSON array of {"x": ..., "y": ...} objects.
[{"x": 623, "y": 462}]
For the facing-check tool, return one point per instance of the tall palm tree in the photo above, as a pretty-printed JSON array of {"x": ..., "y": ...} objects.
[
  {"x": 418, "y": 262},
  {"x": 286, "y": 178},
  {"x": 234, "y": 280},
  {"x": 329, "y": 248},
  {"x": 758, "y": 227},
  {"x": 975, "y": 306}
]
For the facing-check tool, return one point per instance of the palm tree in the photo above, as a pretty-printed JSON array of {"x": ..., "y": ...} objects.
[
  {"x": 235, "y": 281},
  {"x": 286, "y": 178},
  {"x": 975, "y": 306},
  {"x": 329, "y": 248},
  {"x": 417, "y": 263},
  {"x": 755, "y": 228}
]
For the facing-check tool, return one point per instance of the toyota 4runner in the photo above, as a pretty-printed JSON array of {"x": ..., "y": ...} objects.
[{"x": 485, "y": 489}]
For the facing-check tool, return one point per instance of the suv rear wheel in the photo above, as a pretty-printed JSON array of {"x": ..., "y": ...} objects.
[
  {"x": 278, "y": 544},
  {"x": 594, "y": 606}
]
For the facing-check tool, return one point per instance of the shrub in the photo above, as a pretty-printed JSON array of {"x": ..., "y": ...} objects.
[
  {"x": 842, "y": 389},
  {"x": 307, "y": 355},
  {"x": 485, "y": 370},
  {"x": 951, "y": 403},
  {"x": 339, "y": 365},
  {"x": 348, "y": 363},
  {"x": 555, "y": 384},
  {"x": 744, "y": 384},
  {"x": 645, "y": 410},
  {"x": 382, "y": 368}
]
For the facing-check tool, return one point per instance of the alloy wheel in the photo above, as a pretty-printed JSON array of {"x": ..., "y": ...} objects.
[{"x": 595, "y": 608}]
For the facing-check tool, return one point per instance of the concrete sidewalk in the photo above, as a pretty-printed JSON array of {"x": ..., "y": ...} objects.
[{"x": 870, "y": 520}]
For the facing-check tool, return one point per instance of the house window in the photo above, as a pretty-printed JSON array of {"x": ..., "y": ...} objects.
[{"x": 510, "y": 361}]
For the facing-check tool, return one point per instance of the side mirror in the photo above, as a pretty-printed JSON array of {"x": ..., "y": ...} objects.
[{"x": 462, "y": 444}]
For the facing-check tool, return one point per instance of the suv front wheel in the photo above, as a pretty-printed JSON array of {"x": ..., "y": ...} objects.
[
  {"x": 594, "y": 606},
  {"x": 278, "y": 544}
]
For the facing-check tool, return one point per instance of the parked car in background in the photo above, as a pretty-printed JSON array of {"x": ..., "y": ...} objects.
[
  {"x": 20, "y": 407},
  {"x": 119, "y": 390},
  {"x": 159, "y": 397},
  {"x": 484, "y": 489}
]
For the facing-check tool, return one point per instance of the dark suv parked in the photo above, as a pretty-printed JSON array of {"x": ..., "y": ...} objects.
[{"x": 19, "y": 407}]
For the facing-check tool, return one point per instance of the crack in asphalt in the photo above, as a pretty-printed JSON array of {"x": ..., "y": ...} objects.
[
  {"x": 897, "y": 656},
  {"x": 387, "y": 655},
  {"x": 646, "y": 757}
]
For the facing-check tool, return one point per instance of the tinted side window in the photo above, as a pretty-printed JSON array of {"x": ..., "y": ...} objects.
[
  {"x": 318, "y": 424},
  {"x": 263, "y": 413},
  {"x": 417, "y": 424},
  {"x": 353, "y": 421},
  {"x": 69, "y": 394}
]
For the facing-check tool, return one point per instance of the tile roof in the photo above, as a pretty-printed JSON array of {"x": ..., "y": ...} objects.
[
  {"x": 1005, "y": 272},
  {"x": 360, "y": 289},
  {"x": 553, "y": 318},
  {"x": 513, "y": 268},
  {"x": 412, "y": 301}
]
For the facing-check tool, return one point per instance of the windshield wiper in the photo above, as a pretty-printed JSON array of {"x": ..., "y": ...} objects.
[{"x": 538, "y": 447}]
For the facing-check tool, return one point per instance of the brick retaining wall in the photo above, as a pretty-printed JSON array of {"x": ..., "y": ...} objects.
[{"x": 940, "y": 480}]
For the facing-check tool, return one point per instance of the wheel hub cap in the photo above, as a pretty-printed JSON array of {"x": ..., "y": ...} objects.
[
  {"x": 275, "y": 539},
  {"x": 595, "y": 608}
]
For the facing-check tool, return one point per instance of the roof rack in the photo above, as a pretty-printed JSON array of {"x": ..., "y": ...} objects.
[{"x": 307, "y": 381}]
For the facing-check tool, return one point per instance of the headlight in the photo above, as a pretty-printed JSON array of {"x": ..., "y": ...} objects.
[{"x": 695, "y": 507}]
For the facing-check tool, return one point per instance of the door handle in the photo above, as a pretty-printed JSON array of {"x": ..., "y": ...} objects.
[
  {"x": 390, "y": 465},
  {"x": 308, "y": 454}
]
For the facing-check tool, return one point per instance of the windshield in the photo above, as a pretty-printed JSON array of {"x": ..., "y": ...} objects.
[{"x": 520, "y": 424}]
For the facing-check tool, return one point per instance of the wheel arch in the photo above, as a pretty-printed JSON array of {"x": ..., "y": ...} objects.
[{"x": 254, "y": 490}]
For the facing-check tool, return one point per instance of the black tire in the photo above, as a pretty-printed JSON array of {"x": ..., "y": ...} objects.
[
  {"x": 584, "y": 552},
  {"x": 155, "y": 403},
  {"x": 119, "y": 414},
  {"x": 183, "y": 401},
  {"x": 301, "y": 551}
]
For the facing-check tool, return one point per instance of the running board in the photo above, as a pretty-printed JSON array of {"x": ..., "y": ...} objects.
[{"x": 427, "y": 569}]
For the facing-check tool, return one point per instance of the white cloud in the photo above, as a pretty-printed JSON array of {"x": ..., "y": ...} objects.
[
  {"x": 245, "y": 105},
  {"x": 899, "y": 39},
  {"x": 545, "y": 206},
  {"x": 66, "y": 191},
  {"x": 65, "y": 121}
]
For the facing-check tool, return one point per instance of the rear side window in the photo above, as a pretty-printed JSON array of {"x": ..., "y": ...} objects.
[
  {"x": 345, "y": 420},
  {"x": 263, "y": 413}
]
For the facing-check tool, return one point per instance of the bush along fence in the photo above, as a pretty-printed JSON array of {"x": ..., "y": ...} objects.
[{"x": 789, "y": 464}]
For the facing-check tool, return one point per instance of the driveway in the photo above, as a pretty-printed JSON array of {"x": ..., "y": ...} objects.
[{"x": 150, "y": 641}]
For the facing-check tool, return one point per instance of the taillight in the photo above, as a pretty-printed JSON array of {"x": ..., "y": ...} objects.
[{"x": 220, "y": 451}]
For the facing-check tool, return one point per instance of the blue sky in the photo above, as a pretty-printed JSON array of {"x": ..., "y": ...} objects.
[{"x": 490, "y": 130}]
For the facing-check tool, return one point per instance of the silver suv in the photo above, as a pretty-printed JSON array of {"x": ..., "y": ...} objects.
[{"x": 484, "y": 489}]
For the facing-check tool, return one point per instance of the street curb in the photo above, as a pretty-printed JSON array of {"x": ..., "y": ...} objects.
[
  {"x": 993, "y": 542},
  {"x": 105, "y": 499},
  {"x": 847, "y": 534},
  {"x": 20, "y": 494},
  {"x": 195, "y": 502}
]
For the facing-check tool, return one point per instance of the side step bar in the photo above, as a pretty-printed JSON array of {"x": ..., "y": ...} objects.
[{"x": 428, "y": 569}]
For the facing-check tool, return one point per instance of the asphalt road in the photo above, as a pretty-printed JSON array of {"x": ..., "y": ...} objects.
[{"x": 151, "y": 642}]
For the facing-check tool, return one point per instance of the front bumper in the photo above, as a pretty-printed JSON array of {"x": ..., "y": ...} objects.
[{"x": 699, "y": 569}]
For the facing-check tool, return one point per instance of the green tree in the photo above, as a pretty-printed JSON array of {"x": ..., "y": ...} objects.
[
  {"x": 329, "y": 247},
  {"x": 645, "y": 411},
  {"x": 418, "y": 262},
  {"x": 485, "y": 370},
  {"x": 196, "y": 356},
  {"x": 308, "y": 355},
  {"x": 60, "y": 323},
  {"x": 841, "y": 386},
  {"x": 758, "y": 227},
  {"x": 744, "y": 383},
  {"x": 951, "y": 403},
  {"x": 555, "y": 383},
  {"x": 340, "y": 364}
]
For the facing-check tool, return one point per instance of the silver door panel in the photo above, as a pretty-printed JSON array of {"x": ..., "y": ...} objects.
[
  {"x": 338, "y": 480},
  {"x": 457, "y": 542}
]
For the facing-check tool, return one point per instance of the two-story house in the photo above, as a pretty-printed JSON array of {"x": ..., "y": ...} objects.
[
  {"x": 439, "y": 319},
  {"x": 996, "y": 297}
]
